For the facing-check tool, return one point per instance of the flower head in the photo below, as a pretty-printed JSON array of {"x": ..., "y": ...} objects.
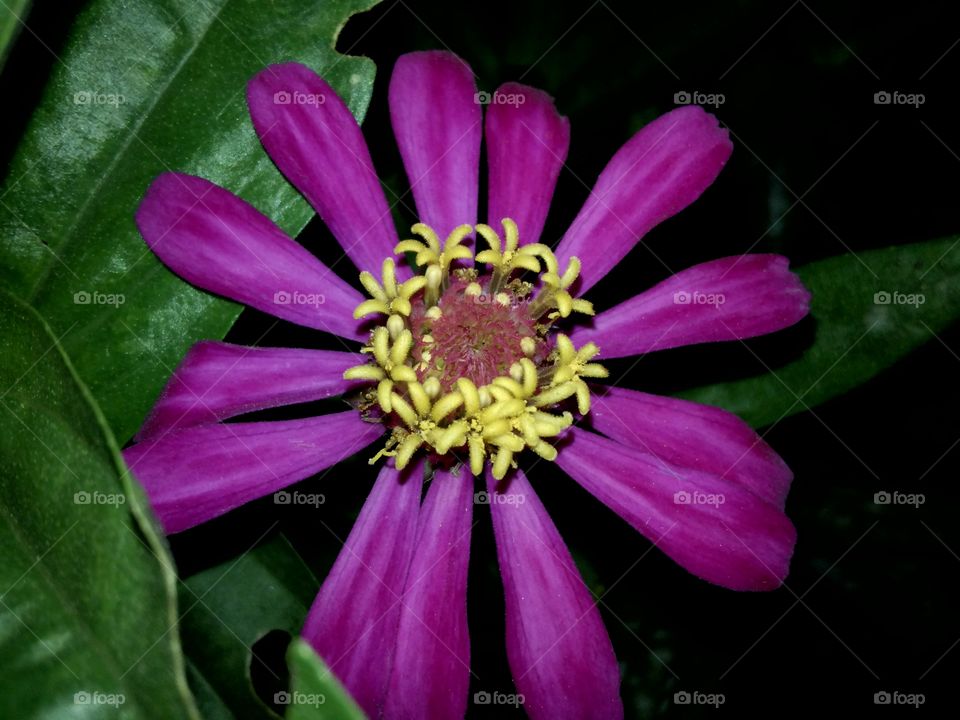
[{"x": 477, "y": 356}]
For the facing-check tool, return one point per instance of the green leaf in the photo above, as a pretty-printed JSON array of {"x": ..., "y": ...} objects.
[
  {"x": 13, "y": 14},
  {"x": 315, "y": 694},
  {"x": 857, "y": 335},
  {"x": 230, "y": 607},
  {"x": 87, "y": 603},
  {"x": 142, "y": 88}
]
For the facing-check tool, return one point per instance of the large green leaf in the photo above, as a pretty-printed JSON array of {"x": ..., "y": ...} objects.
[
  {"x": 227, "y": 609},
  {"x": 857, "y": 333},
  {"x": 145, "y": 87},
  {"x": 315, "y": 694},
  {"x": 87, "y": 610},
  {"x": 13, "y": 14}
]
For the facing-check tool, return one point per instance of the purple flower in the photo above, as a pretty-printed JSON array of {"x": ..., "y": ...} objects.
[{"x": 483, "y": 356}]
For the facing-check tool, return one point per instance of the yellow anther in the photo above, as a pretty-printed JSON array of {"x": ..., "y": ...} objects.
[
  {"x": 434, "y": 279},
  {"x": 555, "y": 394},
  {"x": 511, "y": 385},
  {"x": 477, "y": 454},
  {"x": 485, "y": 397},
  {"x": 470, "y": 396},
  {"x": 583, "y": 396},
  {"x": 528, "y": 346},
  {"x": 506, "y": 258},
  {"x": 402, "y": 408},
  {"x": 565, "y": 349},
  {"x": 571, "y": 273},
  {"x": 432, "y": 387},
  {"x": 407, "y": 448},
  {"x": 370, "y": 307},
  {"x": 473, "y": 290},
  {"x": 498, "y": 393},
  {"x": 384, "y": 390},
  {"x": 395, "y": 326},
  {"x": 493, "y": 240},
  {"x": 583, "y": 306},
  {"x": 430, "y": 252},
  {"x": 421, "y": 401},
  {"x": 428, "y": 234},
  {"x": 388, "y": 298},
  {"x": 373, "y": 288},
  {"x": 401, "y": 347},
  {"x": 529, "y": 376},
  {"x": 502, "y": 463},
  {"x": 446, "y": 405},
  {"x": 452, "y": 436},
  {"x": 503, "y": 299},
  {"x": 548, "y": 425},
  {"x": 511, "y": 234},
  {"x": 381, "y": 347},
  {"x": 434, "y": 313},
  {"x": 528, "y": 428},
  {"x": 496, "y": 428},
  {"x": 502, "y": 409},
  {"x": 363, "y": 372},
  {"x": 545, "y": 450},
  {"x": 411, "y": 287},
  {"x": 509, "y": 441},
  {"x": 403, "y": 373},
  {"x": 545, "y": 254},
  {"x": 389, "y": 273}
]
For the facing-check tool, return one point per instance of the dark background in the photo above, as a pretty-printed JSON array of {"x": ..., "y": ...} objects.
[{"x": 818, "y": 170}]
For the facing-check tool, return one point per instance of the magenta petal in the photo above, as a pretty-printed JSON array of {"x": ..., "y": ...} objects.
[
  {"x": 663, "y": 168},
  {"x": 527, "y": 142},
  {"x": 354, "y": 619},
  {"x": 559, "y": 651},
  {"x": 692, "y": 435},
  {"x": 315, "y": 141},
  {"x": 431, "y": 672},
  {"x": 217, "y": 380},
  {"x": 198, "y": 473},
  {"x": 218, "y": 242},
  {"x": 438, "y": 125},
  {"x": 712, "y": 527},
  {"x": 728, "y": 299}
]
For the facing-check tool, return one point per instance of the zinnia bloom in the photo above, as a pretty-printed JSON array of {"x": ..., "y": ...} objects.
[{"x": 478, "y": 356}]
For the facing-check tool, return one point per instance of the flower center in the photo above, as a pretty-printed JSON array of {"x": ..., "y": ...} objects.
[{"x": 468, "y": 362}]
